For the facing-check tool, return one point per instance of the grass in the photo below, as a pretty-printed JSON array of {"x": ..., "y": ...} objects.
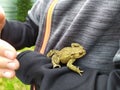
[{"x": 14, "y": 83}]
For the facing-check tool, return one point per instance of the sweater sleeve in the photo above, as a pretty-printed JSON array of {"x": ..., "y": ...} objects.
[
  {"x": 30, "y": 66},
  {"x": 23, "y": 34},
  {"x": 20, "y": 34}
]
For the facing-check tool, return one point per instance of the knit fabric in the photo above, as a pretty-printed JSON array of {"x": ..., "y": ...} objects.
[{"x": 92, "y": 23}]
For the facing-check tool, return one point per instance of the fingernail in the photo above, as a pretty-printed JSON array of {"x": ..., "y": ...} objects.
[
  {"x": 7, "y": 74},
  {"x": 11, "y": 65},
  {"x": 9, "y": 54}
]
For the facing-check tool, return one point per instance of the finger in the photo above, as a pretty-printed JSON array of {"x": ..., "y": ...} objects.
[
  {"x": 6, "y": 50},
  {"x": 7, "y": 73},
  {"x": 7, "y": 53},
  {"x": 13, "y": 65},
  {"x": 6, "y": 45},
  {"x": 8, "y": 64}
]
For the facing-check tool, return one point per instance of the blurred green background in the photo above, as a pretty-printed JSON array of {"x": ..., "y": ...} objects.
[
  {"x": 15, "y": 10},
  {"x": 12, "y": 84}
]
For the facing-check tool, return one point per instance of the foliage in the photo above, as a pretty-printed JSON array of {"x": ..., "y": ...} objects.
[
  {"x": 22, "y": 8},
  {"x": 12, "y": 84}
]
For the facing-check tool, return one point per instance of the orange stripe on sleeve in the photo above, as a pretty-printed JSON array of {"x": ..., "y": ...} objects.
[{"x": 48, "y": 26}]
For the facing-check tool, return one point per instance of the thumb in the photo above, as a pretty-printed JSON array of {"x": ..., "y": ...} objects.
[{"x": 7, "y": 50}]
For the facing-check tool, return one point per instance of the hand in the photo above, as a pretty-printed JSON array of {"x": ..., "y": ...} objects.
[
  {"x": 2, "y": 18},
  {"x": 8, "y": 61}
]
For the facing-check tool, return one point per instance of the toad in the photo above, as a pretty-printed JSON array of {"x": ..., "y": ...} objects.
[{"x": 67, "y": 55}]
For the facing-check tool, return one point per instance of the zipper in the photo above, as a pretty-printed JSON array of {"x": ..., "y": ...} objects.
[
  {"x": 47, "y": 29},
  {"x": 48, "y": 26}
]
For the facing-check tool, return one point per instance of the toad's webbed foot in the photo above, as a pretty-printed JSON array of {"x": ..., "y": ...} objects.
[{"x": 74, "y": 68}]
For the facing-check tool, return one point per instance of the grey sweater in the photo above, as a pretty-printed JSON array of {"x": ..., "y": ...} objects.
[{"x": 92, "y": 23}]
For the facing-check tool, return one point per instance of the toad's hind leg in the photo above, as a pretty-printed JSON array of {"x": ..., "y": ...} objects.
[
  {"x": 55, "y": 62},
  {"x": 73, "y": 67}
]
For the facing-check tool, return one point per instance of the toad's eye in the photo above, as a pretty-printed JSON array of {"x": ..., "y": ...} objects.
[{"x": 80, "y": 52}]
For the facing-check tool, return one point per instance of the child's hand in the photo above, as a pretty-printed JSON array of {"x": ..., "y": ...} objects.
[{"x": 8, "y": 61}]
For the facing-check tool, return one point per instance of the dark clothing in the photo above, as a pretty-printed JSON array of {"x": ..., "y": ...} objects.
[
  {"x": 16, "y": 30},
  {"x": 36, "y": 68},
  {"x": 95, "y": 24}
]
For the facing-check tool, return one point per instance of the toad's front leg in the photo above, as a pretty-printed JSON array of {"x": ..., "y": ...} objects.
[{"x": 73, "y": 67}]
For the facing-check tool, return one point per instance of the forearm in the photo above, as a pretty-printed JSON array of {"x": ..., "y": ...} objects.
[
  {"x": 2, "y": 18},
  {"x": 20, "y": 34}
]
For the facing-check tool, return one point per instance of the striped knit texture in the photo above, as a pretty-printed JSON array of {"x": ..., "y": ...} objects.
[{"x": 94, "y": 24}]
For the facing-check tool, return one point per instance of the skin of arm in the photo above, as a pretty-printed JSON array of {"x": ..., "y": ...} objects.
[{"x": 2, "y": 18}]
